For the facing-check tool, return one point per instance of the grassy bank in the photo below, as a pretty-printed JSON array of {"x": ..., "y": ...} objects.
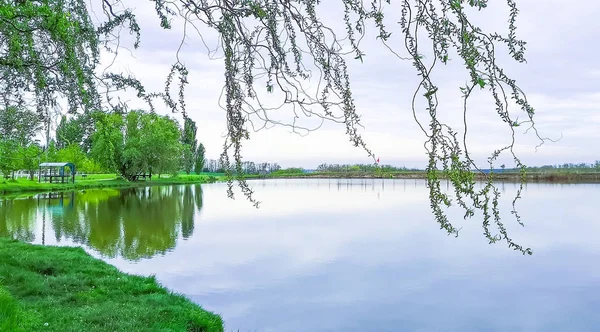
[
  {"x": 98, "y": 181},
  {"x": 64, "y": 289},
  {"x": 592, "y": 177}
]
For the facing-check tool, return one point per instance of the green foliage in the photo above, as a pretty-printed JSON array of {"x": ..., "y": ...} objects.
[
  {"x": 200, "y": 159},
  {"x": 8, "y": 156},
  {"x": 188, "y": 139},
  {"x": 160, "y": 143},
  {"x": 65, "y": 289},
  {"x": 137, "y": 143},
  {"x": 76, "y": 130},
  {"x": 287, "y": 171},
  {"x": 187, "y": 158},
  {"x": 30, "y": 157},
  {"x": 18, "y": 150},
  {"x": 74, "y": 154},
  {"x": 90, "y": 166},
  {"x": 188, "y": 136},
  {"x": 49, "y": 48},
  {"x": 19, "y": 124},
  {"x": 51, "y": 153},
  {"x": 108, "y": 141}
]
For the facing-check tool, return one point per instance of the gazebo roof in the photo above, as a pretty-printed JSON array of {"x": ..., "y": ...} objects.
[{"x": 57, "y": 164}]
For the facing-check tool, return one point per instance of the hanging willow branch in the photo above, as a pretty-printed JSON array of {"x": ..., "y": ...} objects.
[{"x": 281, "y": 49}]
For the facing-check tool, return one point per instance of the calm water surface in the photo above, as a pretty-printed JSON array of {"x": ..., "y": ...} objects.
[{"x": 339, "y": 255}]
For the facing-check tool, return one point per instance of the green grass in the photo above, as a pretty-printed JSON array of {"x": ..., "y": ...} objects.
[
  {"x": 99, "y": 181},
  {"x": 12, "y": 318},
  {"x": 65, "y": 289}
]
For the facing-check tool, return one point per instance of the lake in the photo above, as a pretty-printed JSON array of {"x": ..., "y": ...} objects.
[{"x": 339, "y": 255}]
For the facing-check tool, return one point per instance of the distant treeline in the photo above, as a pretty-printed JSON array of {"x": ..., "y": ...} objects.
[
  {"x": 249, "y": 167},
  {"x": 558, "y": 168},
  {"x": 365, "y": 168},
  {"x": 271, "y": 168},
  {"x": 264, "y": 168},
  {"x": 570, "y": 167}
]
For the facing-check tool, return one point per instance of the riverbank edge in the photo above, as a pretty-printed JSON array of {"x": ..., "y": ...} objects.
[
  {"x": 8, "y": 189},
  {"x": 505, "y": 177},
  {"x": 54, "y": 288}
]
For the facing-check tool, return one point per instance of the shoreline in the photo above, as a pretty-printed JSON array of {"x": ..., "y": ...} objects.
[
  {"x": 503, "y": 177},
  {"x": 10, "y": 188},
  {"x": 54, "y": 288}
]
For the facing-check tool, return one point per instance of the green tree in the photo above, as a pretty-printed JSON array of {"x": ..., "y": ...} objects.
[
  {"x": 200, "y": 159},
  {"x": 19, "y": 124},
  {"x": 188, "y": 138},
  {"x": 187, "y": 158},
  {"x": 50, "y": 49},
  {"x": 18, "y": 128},
  {"x": 30, "y": 157},
  {"x": 9, "y": 157},
  {"x": 108, "y": 142},
  {"x": 69, "y": 131},
  {"x": 72, "y": 154},
  {"x": 137, "y": 143},
  {"x": 90, "y": 166},
  {"x": 160, "y": 143},
  {"x": 50, "y": 153}
]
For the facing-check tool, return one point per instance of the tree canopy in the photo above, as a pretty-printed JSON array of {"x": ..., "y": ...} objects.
[
  {"x": 76, "y": 130},
  {"x": 18, "y": 147},
  {"x": 189, "y": 141},
  {"x": 137, "y": 143},
  {"x": 50, "y": 49}
]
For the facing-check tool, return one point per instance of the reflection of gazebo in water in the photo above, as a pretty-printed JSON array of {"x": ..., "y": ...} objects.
[
  {"x": 56, "y": 201},
  {"x": 55, "y": 208},
  {"x": 57, "y": 171}
]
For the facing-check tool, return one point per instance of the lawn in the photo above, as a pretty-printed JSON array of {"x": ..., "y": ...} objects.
[
  {"x": 100, "y": 181},
  {"x": 64, "y": 289}
]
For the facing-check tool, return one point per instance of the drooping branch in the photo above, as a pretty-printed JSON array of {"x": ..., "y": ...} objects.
[{"x": 281, "y": 51}]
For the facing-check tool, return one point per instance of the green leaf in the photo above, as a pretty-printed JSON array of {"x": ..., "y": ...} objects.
[{"x": 481, "y": 82}]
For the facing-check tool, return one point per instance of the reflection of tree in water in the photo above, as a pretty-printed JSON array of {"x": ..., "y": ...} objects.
[
  {"x": 17, "y": 219},
  {"x": 142, "y": 222},
  {"x": 133, "y": 223}
]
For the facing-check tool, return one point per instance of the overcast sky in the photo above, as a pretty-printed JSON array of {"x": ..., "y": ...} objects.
[{"x": 561, "y": 80}]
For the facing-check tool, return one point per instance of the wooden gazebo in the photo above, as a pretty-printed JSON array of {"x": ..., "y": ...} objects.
[{"x": 59, "y": 172}]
